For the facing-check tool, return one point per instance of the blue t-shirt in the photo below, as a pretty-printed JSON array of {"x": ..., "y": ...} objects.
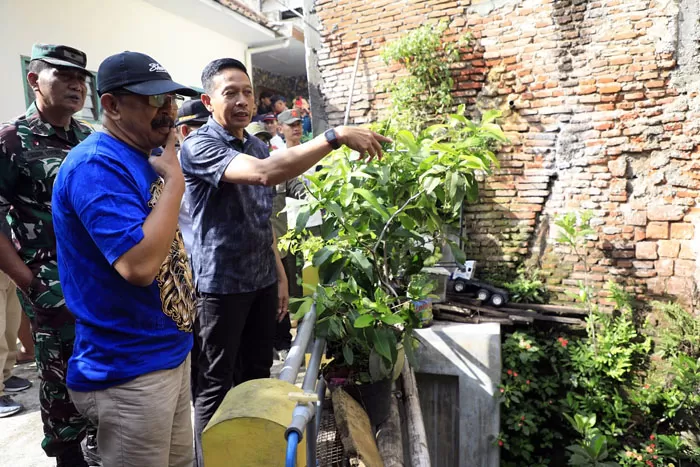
[{"x": 100, "y": 202}]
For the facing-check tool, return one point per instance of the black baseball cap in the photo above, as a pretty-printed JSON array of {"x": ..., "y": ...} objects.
[
  {"x": 137, "y": 73},
  {"x": 192, "y": 111}
]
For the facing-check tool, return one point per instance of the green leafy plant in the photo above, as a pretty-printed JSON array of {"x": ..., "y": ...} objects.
[
  {"x": 426, "y": 92},
  {"x": 383, "y": 222},
  {"x": 527, "y": 288},
  {"x": 605, "y": 395}
]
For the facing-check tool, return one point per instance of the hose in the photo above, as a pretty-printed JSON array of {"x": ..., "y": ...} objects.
[{"x": 292, "y": 442}]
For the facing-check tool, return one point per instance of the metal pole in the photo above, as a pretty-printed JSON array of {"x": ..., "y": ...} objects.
[
  {"x": 296, "y": 353},
  {"x": 352, "y": 84}
]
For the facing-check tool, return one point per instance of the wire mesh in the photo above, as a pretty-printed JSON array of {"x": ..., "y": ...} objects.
[{"x": 329, "y": 448}]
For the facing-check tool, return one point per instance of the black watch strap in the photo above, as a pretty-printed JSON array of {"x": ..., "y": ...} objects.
[{"x": 332, "y": 138}]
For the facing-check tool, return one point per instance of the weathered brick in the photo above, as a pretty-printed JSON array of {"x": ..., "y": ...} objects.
[
  {"x": 682, "y": 231},
  {"x": 665, "y": 213},
  {"x": 678, "y": 285},
  {"x": 669, "y": 248},
  {"x": 664, "y": 267},
  {"x": 687, "y": 250},
  {"x": 646, "y": 250},
  {"x": 657, "y": 231},
  {"x": 684, "y": 268}
]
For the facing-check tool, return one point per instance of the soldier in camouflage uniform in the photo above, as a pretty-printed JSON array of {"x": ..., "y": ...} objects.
[{"x": 32, "y": 148}]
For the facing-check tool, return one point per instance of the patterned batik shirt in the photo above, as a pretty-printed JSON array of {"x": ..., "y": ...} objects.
[{"x": 31, "y": 151}]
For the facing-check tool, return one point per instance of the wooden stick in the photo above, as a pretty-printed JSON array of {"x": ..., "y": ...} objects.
[
  {"x": 389, "y": 439},
  {"x": 417, "y": 438},
  {"x": 557, "y": 309}
]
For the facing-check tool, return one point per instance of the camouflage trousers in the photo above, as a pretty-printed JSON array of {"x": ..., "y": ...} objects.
[{"x": 54, "y": 334}]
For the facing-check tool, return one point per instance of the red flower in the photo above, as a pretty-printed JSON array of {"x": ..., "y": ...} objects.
[
  {"x": 564, "y": 342},
  {"x": 656, "y": 457},
  {"x": 502, "y": 390},
  {"x": 515, "y": 375},
  {"x": 650, "y": 449},
  {"x": 527, "y": 382},
  {"x": 646, "y": 386},
  {"x": 652, "y": 437},
  {"x": 500, "y": 443},
  {"x": 522, "y": 418},
  {"x": 650, "y": 463},
  {"x": 510, "y": 372}
]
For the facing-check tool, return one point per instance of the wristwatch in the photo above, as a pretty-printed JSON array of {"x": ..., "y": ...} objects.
[{"x": 332, "y": 138}]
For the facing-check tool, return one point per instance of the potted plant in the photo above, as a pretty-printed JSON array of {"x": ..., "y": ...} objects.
[{"x": 383, "y": 222}]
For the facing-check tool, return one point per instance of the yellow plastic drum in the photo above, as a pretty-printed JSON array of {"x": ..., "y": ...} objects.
[{"x": 248, "y": 428}]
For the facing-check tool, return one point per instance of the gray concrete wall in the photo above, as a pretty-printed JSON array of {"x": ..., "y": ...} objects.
[{"x": 467, "y": 356}]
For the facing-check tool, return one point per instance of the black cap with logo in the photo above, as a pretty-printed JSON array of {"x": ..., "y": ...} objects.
[
  {"x": 192, "y": 112},
  {"x": 137, "y": 73}
]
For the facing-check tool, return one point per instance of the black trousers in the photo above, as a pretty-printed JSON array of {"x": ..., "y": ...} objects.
[{"x": 233, "y": 342}]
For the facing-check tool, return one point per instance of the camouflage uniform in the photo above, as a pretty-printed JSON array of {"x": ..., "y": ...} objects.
[{"x": 31, "y": 151}]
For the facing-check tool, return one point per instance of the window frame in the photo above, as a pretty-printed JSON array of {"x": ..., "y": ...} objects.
[{"x": 24, "y": 61}]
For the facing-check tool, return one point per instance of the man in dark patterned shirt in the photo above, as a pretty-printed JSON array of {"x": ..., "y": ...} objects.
[
  {"x": 237, "y": 269},
  {"x": 32, "y": 148}
]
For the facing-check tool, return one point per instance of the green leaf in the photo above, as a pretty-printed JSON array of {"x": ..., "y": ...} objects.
[
  {"x": 490, "y": 116},
  {"x": 452, "y": 183},
  {"x": 457, "y": 252},
  {"x": 362, "y": 262},
  {"x": 382, "y": 344},
  {"x": 364, "y": 321},
  {"x": 322, "y": 255},
  {"x": 372, "y": 200},
  {"x": 304, "y": 308},
  {"x": 346, "y": 193},
  {"x": 430, "y": 183},
  {"x": 392, "y": 320},
  {"x": 379, "y": 368},
  {"x": 303, "y": 218},
  {"x": 348, "y": 355},
  {"x": 330, "y": 272},
  {"x": 335, "y": 209}
]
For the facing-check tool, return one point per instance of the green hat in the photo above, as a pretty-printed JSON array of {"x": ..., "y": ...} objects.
[
  {"x": 59, "y": 55},
  {"x": 257, "y": 128}
]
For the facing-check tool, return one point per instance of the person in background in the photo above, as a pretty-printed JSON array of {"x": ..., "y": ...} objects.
[
  {"x": 125, "y": 272},
  {"x": 259, "y": 130},
  {"x": 191, "y": 115},
  {"x": 32, "y": 147},
  {"x": 10, "y": 313},
  {"x": 302, "y": 106},
  {"x": 279, "y": 104},
  {"x": 265, "y": 103},
  {"x": 241, "y": 283},
  {"x": 276, "y": 142}
]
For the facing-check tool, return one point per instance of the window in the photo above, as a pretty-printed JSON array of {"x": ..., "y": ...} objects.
[{"x": 91, "y": 109}]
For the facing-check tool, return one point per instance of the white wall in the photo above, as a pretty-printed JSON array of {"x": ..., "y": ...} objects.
[{"x": 101, "y": 28}]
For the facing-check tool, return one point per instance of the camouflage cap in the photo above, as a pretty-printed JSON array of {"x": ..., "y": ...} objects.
[{"x": 59, "y": 55}]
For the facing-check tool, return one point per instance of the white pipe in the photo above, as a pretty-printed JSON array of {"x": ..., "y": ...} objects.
[
  {"x": 298, "y": 350},
  {"x": 352, "y": 84}
]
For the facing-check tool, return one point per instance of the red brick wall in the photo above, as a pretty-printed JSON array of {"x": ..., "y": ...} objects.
[{"x": 599, "y": 104}]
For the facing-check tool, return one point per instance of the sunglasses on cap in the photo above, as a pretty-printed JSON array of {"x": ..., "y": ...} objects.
[{"x": 157, "y": 100}]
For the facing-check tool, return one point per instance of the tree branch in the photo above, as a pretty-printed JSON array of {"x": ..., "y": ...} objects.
[{"x": 393, "y": 216}]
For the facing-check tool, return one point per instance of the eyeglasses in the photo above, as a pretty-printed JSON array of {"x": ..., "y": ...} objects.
[{"x": 157, "y": 101}]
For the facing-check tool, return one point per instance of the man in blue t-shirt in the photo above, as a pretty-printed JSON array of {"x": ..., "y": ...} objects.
[{"x": 124, "y": 271}]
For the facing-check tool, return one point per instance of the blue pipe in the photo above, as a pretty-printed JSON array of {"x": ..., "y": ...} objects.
[{"x": 292, "y": 442}]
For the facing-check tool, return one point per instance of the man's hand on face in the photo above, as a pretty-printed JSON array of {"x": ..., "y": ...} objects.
[
  {"x": 366, "y": 142},
  {"x": 167, "y": 165}
]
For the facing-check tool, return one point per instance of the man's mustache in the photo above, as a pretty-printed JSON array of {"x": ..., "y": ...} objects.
[{"x": 162, "y": 122}]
